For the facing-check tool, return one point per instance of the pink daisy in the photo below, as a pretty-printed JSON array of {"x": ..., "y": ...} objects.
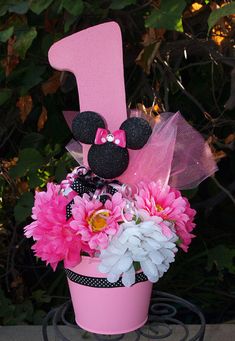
[
  {"x": 168, "y": 204},
  {"x": 54, "y": 239},
  {"x": 95, "y": 222}
]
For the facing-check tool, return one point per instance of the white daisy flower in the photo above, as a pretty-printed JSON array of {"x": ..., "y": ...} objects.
[{"x": 144, "y": 243}]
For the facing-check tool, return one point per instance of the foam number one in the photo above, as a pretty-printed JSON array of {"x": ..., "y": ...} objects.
[{"x": 95, "y": 57}]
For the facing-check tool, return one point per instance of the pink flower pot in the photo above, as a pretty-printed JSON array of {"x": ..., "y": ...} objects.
[{"x": 107, "y": 310}]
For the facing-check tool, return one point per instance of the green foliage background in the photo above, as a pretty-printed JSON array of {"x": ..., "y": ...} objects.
[{"x": 174, "y": 59}]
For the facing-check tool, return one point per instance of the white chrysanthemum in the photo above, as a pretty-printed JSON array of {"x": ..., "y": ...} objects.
[{"x": 143, "y": 243}]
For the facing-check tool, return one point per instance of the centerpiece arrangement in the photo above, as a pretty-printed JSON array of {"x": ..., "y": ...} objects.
[{"x": 117, "y": 222}]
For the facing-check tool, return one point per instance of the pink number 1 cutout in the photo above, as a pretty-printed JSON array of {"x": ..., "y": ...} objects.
[{"x": 95, "y": 57}]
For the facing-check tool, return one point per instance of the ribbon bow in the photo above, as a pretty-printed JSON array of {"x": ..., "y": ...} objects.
[
  {"x": 118, "y": 137},
  {"x": 86, "y": 183}
]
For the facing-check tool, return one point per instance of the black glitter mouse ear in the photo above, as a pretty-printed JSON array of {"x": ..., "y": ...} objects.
[
  {"x": 85, "y": 125},
  {"x": 137, "y": 131}
]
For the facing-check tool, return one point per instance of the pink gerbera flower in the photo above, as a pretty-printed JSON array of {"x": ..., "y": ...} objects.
[
  {"x": 96, "y": 222},
  {"x": 54, "y": 239},
  {"x": 167, "y": 203}
]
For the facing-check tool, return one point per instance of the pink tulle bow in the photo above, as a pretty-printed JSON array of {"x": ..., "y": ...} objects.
[{"x": 176, "y": 154}]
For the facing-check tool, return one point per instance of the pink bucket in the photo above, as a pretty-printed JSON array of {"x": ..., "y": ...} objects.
[{"x": 107, "y": 310}]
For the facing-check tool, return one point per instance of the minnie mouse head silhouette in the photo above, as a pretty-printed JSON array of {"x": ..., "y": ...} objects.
[{"x": 108, "y": 155}]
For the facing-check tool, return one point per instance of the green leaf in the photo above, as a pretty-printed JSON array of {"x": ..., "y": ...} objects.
[
  {"x": 74, "y": 7},
  {"x": 31, "y": 157},
  {"x": 120, "y": 4},
  {"x": 23, "y": 208},
  {"x": 49, "y": 39},
  {"x": 34, "y": 180},
  {"x": 13, "y": 6},
  {"x": 5, "y": 95},
  {"x": 33, "y": 140},
  {"x": 26, "y": 77},
  {"x": 6, "y": 34},
  {"x": 23, "y": 309},
  {"x": 168, "y": 16},
  {"x": 137, "y": 266},
  {"x": 179, "y": 241},
  {"x": 68, "y": 22},
  {"x": 24, "y": 41},
  {"x": 38, "y": 317},
  {"x": 29, "y": 160},
  {"x": 7, "y": 307},
  {"x": 222, "y": 257},
  {"x": 61, "y": 171},
  {"x": 219, "y": 13},
  {"x": 52, "y": 151},
  {"x": 38, "y": 6},
  {"x": 20, "y": 7},
  {"x": 40, "y": 296},
  {"x": 32, "y": 78},
  {"x": 3, "y": 9},
  {"x": 2, "y": 74}
]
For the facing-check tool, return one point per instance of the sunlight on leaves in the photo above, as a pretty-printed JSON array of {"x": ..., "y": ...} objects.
[
  {"x": 219, "y": 13},
  {"x": 196, "y": 6}
]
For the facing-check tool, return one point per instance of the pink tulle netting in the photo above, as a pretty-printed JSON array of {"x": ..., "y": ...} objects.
[{"x": 176, "y": 154}]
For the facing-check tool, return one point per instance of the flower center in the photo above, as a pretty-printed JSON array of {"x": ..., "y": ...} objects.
[
  {"x": 159, "y": 208},
  {"x": 98, "y": 220}
]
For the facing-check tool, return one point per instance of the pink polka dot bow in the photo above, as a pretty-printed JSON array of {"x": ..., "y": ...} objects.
[{"x": 118, "y": 137}]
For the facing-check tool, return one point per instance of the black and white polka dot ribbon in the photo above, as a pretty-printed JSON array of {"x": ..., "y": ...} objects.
[
  {"x": 98, "y": 282},
  {"x": 85, "y": 183},
  {"x": 69, "y": 209},
  {"x": 82, "y": 186}
]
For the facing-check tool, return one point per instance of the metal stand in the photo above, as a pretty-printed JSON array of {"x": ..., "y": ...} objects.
[{"x": 163, "y": 318}]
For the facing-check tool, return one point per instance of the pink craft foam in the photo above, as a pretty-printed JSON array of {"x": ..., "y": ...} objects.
[
  {"x": 95, "y": 57},
  {"x": 108, "y": 310}
]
